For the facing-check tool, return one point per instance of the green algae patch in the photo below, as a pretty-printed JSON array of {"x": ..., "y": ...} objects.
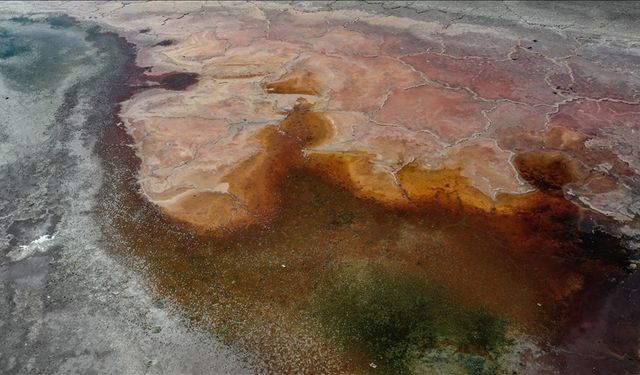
[{"x": 400, "y": 321}]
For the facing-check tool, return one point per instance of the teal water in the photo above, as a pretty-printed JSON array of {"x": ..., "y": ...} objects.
[{"x": 40, "y": 55}]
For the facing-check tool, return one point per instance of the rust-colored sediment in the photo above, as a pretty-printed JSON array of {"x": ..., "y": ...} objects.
[
  {"x": 301, "y": 141},
  {"x": 307, "y": 127},
  {"x": 301, "y": 83},
  {"x": 517, "y": 255},
  {"x": 546, "y": 170}
]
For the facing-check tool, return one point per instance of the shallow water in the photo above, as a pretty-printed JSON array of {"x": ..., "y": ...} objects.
[
  {"x": 261, "y": 288},
  {"x": 66, "y": 305}
]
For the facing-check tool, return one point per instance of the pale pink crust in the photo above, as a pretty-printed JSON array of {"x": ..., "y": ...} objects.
[
  {"x": 356, "y": 83},
  {"x": 296, "y": 27},
  {"x": 393, "y": 146},
  {"x": 394, "y": 93},
  {"x": 486, "y": 166},
  {"x": 521, "y": 77},
  {"x": 517, "y": 126},
  {"x": 597, "y": 116},
  {"x": 448, "y": 113},
  {"x": 342, "y": 41},
  {"x": 464, "y": 43},
  {"x": 591, "y": 80},
  {"x": 407, "y": 44},
  {"x": 198, "y": 48}
]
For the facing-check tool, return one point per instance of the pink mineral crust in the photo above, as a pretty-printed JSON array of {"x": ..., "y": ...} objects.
[
  {"x": 450, "y": 114},
  {"x": 356, "y": 83},
  {"x": 394, "y": 91},
  {"x": 588, "y": 79},
  {"x": 345, "y": 42},
  {"x": 521, "y": 77}
]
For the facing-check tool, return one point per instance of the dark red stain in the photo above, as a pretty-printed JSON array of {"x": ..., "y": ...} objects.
[
  {"x": 175, "y": 81},
  {"x": 164, "y": 43}
]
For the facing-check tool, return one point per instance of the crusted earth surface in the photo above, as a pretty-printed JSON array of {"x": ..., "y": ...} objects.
[{"x": 380, "y": 186}]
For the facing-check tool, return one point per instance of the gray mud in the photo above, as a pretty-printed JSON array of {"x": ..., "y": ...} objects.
[{"x": 66, "y": 304}]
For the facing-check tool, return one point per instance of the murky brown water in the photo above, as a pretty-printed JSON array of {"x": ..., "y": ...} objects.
[{"x": 526, "y": 260}]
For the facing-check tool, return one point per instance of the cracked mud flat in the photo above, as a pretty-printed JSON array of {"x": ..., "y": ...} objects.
[{"x": 321, "y": 188}]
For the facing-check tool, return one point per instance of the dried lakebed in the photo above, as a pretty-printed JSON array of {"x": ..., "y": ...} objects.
[{"x": 354, "y": 191}]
